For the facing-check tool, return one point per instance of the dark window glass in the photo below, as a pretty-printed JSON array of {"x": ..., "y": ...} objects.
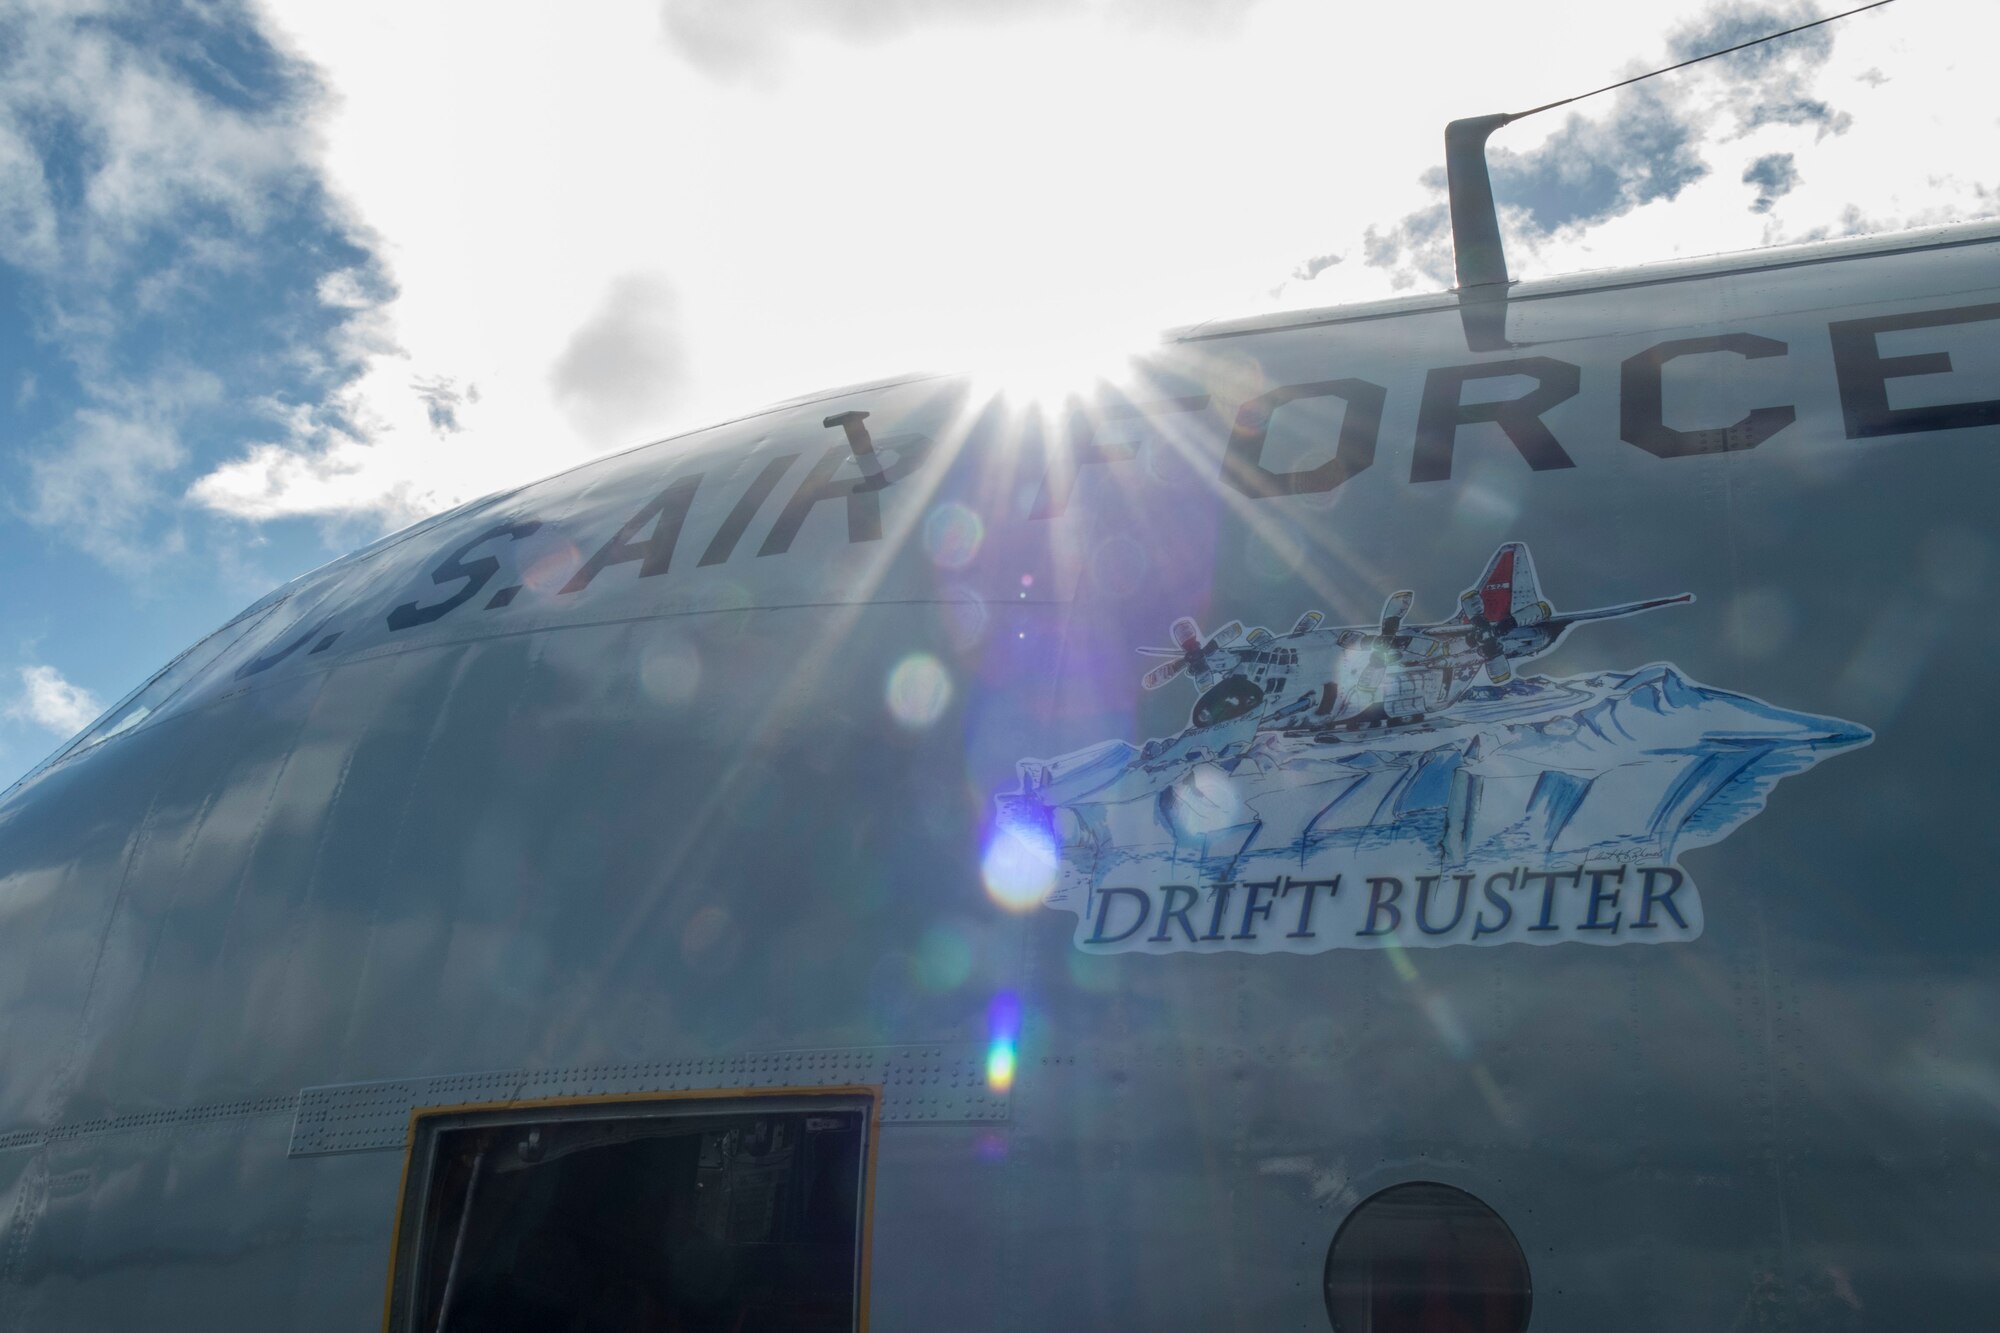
[
  {"x": 611, "y": 1219},
  {"x": 1426, "y": 1258}
]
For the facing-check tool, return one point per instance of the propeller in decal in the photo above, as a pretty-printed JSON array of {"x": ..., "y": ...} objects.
[
  {"x": 1393, "y": 612},
  {"x": 1192, "y": 656}
]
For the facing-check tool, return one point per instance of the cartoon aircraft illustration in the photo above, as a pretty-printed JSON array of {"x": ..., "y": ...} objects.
[{"x": 1349, "y": 677}]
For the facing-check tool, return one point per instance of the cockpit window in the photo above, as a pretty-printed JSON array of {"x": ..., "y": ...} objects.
[
  {"x": 149, "y": 698},
  {"x": 741, "y": 1215}
]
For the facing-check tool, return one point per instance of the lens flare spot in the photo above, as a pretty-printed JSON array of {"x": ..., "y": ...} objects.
[
  {"x": 709, "y": 940},
  {"x": 919, "y": 691},
  {"x": 1120, "y": 565},
  {"x": 1000, "y": 1066},
  {"x": 1759, "y": 622},
  {"x": 952, "y": 535},
  {"x": 964, "y": 615},
  {"x": 728, "y": 595},
  {"x": 1445, "y": 1019},
  {"x": 1274, "y": 554},
  {"x": 552, "y": 568},
  {"x": 1205, "y": 800},
  {"x": 670, "y": 671},
  {"x": 1092, "y": 972},
  {"x": 1955, "y": 559},
  {"x": 943, "y": 959},
  {"x": 1487, "y": 504},
  {"x": 1020, "y": 866},
  {"x": 1003, "y": 1032}
]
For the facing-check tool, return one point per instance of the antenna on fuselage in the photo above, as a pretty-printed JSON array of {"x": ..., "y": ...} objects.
[
  {"x": 862, "y": 444},
  {"x": 1478, "y": 255}
]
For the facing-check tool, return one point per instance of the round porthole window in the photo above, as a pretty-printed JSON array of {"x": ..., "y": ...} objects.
[{"x": 1426, "y": 1258}]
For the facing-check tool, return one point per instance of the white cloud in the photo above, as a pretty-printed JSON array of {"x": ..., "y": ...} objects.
[
  {"x": 737, "y": 36},
  {"x": 150, "y": 145},
  {"x": 99, "y": 483},
  {"x": 49, "y": 701},
  {"x": 324, "y": 468},
  {"x": 27, "y": 211},
  {"x": 442, "y": 399},
  {"x": 140, "y": 179},
  {"x": 625, "y": 366}
]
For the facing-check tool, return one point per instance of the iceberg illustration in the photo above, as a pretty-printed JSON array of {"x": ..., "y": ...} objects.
[{"x": 1541, "y": 809}]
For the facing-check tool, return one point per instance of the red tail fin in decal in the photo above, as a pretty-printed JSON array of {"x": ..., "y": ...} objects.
[{"x": 1508, "y": 584}]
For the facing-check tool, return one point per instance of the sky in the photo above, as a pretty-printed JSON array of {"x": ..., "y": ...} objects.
[{"x": 280, "y": 276}]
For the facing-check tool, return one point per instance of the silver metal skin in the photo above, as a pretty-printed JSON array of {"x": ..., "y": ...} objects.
[{"x": 720, "y": 813}]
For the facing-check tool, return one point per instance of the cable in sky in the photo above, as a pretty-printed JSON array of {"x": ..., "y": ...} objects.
[{"x": 1740, "y": 46}]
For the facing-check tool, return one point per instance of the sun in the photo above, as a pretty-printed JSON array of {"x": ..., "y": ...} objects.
[{"x": 1048, "y": 368}]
